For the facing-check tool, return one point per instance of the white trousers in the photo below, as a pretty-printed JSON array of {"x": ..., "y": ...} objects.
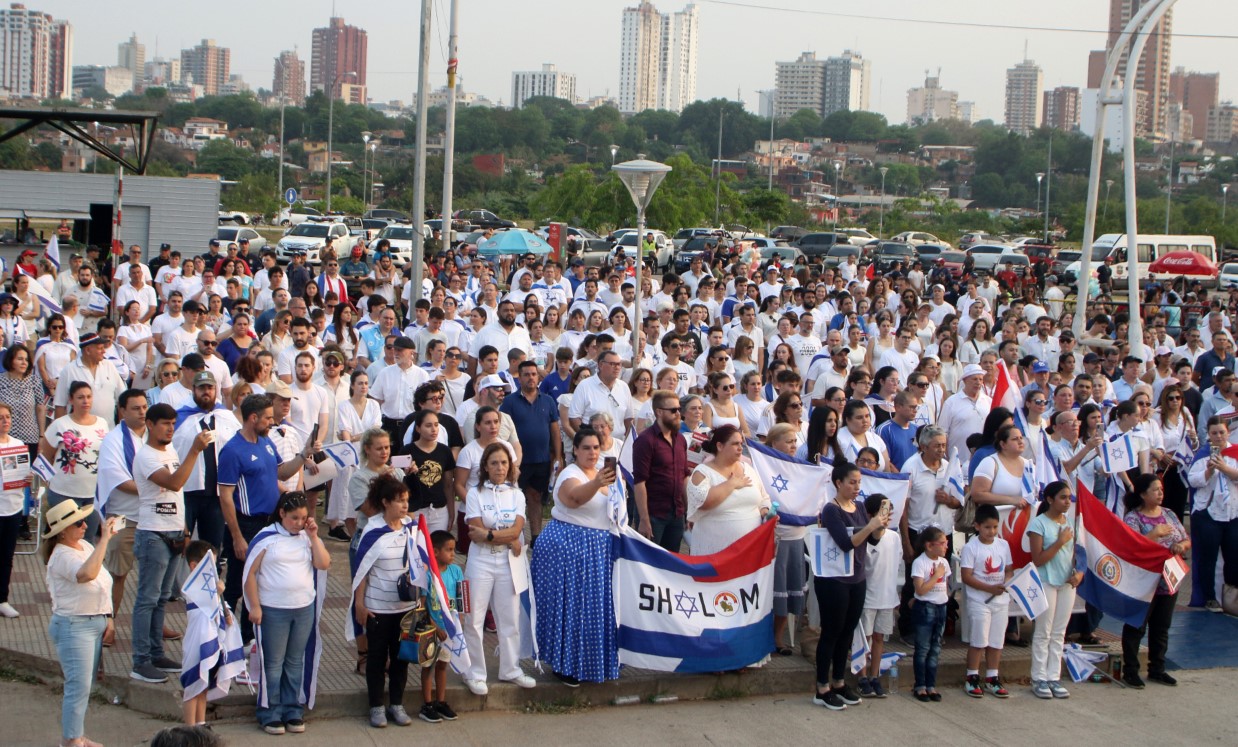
[
  {"x": 490, "y": 585},
  {"x": 1050, "y": 631},
  {"x": 436, "y": 518}
]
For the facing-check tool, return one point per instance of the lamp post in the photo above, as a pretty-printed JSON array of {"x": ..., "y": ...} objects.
[
  {"x": 838, "y": 168},
  {"x": 1169, "y": 184},
  {"x": 1040, "y": 175},
  {"x": 369, "y": 196},
  {"x": 1048, "y": 185},
  {"x": 1105, "y": 213},
  {"x": 1224, "y": 195},
  {"x": 282, "y": 102},
  {"x": 331, "y": 131},
  {"x": 718, "y": 186},
  {"x": 614, "y": 151},
  {"x": 365, "y": 166},
  {"x": 881, "y": 222},
  {"x": 642, "y": 178}
]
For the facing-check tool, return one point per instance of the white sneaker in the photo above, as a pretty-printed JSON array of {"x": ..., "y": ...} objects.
[
  {"x": 7, "y": 610},
  {"x": 477, "y": 687},
  {"x": 523, "y": 680}
]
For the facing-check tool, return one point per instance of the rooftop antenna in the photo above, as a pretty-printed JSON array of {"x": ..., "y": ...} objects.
[{"x": 1025, "y": 50}]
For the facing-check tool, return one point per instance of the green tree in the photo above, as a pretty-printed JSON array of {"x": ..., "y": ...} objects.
[
  {"x": 223, "y": 158},
  {"x": 767, "y": 206}
]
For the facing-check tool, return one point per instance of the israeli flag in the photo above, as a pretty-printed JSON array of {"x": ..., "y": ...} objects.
[
  {"x": 1119, "y": 454},
  {"x": 827, "y": 559},
  {"x": 956, "y": 479},
  {"x": 617, "y": 505},
  {"x": 53, "y": 251},
  {"x": 1080, "y": 662},
  {"x": 210, "y": 638},
  {"x": 344, "y": 454},
  {"x": 43, "y": 468},
  {"x": 1027, "y": 591},
  {"x": 860, "y": 650},
  {"x": 800, "y": 487},
  {"x": 1047, "y": 469}
]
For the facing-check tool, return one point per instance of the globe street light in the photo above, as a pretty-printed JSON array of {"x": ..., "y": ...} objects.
[
  {"x": 642, "y": 178},
  {"x": 881, "y": 224},
  {"x": 1108, "y": 186},
  {"x": 1224, "y": 195},
  {"x": 614, "y": 151},
  {"x": 365, "y": 165},
  {"x": 838, "y": 167},
  {"x": 370, "y": 194},
  {"x": 1040, "y": 175}
]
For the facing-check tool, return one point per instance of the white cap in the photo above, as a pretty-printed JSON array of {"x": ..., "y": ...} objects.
[
  {"x": 493, "y": 380},
  {"x": 972, "y": 369}
]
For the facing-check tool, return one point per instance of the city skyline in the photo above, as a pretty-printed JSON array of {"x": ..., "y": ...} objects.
[{"x": 487, "y": 63}]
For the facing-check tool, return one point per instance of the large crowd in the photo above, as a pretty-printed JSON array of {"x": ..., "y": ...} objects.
[{"x": 183, "y": 405}]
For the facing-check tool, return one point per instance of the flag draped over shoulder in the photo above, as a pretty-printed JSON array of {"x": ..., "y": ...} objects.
[
  {"x": 708, "y": 613},
  {"x": 1121, "y": 568},
  {"x": 424, "y": 572},
  {"x": 210, "y": 640},
  {"x": 798, "y": 486}
]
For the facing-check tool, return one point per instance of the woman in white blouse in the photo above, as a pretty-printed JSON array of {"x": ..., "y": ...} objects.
[
  {"x": 857, "y": 433},
  {"x": 726, "y": 499},
  {"x": 1177, "y": 433},
  {"x": 81, "y": 592},
  {"x": 53, "y": 355},
  {"x": 494, "y": 513},
  {"x": 138, "y": 343},
  {"x": 354, "y": 416},
  {"x": 71, "y": 443},
  {"x": 1003, "y": 479}
]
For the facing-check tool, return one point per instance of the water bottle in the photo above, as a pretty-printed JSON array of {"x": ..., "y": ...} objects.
[{"x": 893, "y": 688}]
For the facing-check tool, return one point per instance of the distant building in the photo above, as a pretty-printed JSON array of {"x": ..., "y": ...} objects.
[
  {"x": 968, "y": 112},
  {"x": 931, "y": 102},
  {"x": 823, "y": 86},
  {"x": 199, "y": 131},
  {"x": 657, "y": 58},
  {"x": 464, "y": 99},
  {"x": 132, "y": 56},
  {"x": 1152, "y": 74},
  {"x": 1196, "y": 93},
  {"x": 1023, "y": 83},
  {"x": 116, "y": 80},
  {"x": 338, "y": 58},
  {"x": 161, "y": 72},
  {"x": 236, "y": 84},
  {"x": 1222, "y": 124},
  {"x": 1061, "y": 108},
  {"x": 207, "y": 65},
  {"x": 36, "y": 56},
  {"x": 288, "y": 83},
  {"x": 545, "y": 82},
  {"x": 846, "y": 83}
]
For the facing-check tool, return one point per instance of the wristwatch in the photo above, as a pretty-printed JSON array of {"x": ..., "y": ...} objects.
[{"x": 490, "y": 536}]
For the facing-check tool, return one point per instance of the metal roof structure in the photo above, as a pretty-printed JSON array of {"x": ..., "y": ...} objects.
[{"x": 73, "y": 121}]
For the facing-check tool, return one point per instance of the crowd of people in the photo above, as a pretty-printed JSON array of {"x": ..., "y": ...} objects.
[{"x": 194, "y": 395}]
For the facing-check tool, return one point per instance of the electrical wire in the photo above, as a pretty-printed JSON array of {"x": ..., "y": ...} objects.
[{"x": 943, "y": 22}]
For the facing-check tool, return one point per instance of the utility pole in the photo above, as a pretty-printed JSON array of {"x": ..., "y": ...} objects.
[
  {"x": 282, "y": 103},
  {"x": 1048, "y": 185},
  {"x": 419, "y": 164},
  {"x": 718, "y": 186},
  {"x": 449, "y": 135},
  {"x": 1169, "y": 185}
]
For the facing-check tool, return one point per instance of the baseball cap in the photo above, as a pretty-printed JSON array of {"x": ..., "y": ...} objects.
[
  {"x": 973, "y": 369},
  {"x": 1163, "y": 350},
  {"x": 214, "y": 242},
  {"x": 578, "y": 262},
  {"x": 1091, "y": 358},
  {"x": 192, "y": 307},
  {"x": 836, "y": 349},
  {"x": 166, "y": 245},
  {"x": 203, "y": 377},
  {"x": 493, "y": 380},
  {"x": 277, "y": 388},
  {"x": 1040, "y": 367}
]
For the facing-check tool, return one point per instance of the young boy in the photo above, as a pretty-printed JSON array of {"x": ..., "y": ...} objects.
[
  {"x": 985, "y": 565},
  {"x": 884, "y": 560},
  {"x": 203, "y": 626},
  {"x": 434, "y": 672}
]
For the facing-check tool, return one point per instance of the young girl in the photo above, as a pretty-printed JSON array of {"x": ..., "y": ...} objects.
[
  {"x": 929, "y": 573},
  {"x": 1053, "y": 551}
]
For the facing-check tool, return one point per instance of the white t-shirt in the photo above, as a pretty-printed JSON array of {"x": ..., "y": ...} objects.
[
  {"x": 1004, "y": 483},
  {"x": 285, "y": 364},
  {"x": 884, "y": 560},
  {"x": 470, "y": 458},
  {"x": 988, "y": 564},
  {"x": 308, "y": 405},
  {"x": 286, "y": 579},
  {"x": 923, "y": 568},
  {"x": 159, "y": 510},
  {"x": 595, "y": 514},
  {"x": 70, "y": 597}
]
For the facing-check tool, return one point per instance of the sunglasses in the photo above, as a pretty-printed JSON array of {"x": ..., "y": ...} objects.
[
  {"x": 1039, "y": 402},
  {"x": 670, "y": 409},
  {"x": 211, "y": 343},
  {"x": 921, "y": 384},
  {"x": 170, "y": 374},
  {"x": 332, "y": 362},
  {"x": 56, "y": 326},
  {"x": 1174, "y": 399},
  {"x": 389, "y": 347},
  {"x": 79, "y": 523},
  {"x": 795, "y": 406}
]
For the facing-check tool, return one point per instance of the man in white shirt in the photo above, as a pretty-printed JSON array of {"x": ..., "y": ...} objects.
[
  {"x": 941, "y": 308},
  {"x": 1054, "y": 298},
  {"x": 171, "y": 318},
  {"x": 695, "y": 274},
  {"x": 603, "y": 393},
  {"x": 121, "y": 273},
  {"x": 503, "y": 335},
  {"x": 165, "y": 275},
  {"x": 746, "y": 326},
  {"x": 117, "y": 493},
  {"x": 310, "y": 402},
  {"x": 83, "y": 290},
  {"x": 804, "y": 344},
  {"x": 184, "y": 339},
  {"x": 137, "y": 289},
  {"x": 92, "y": 368},
  {"x": 964, "y": 412},
  {"x": 772, "y": 285},
  {"x": 302, "y": 339},
  {"x": 834, "y": 375},
  {"x": 207, "y": 347},
  {"x": 901, "y": 357},
  {"x": 202, "y": 413},
  {"x": 553, "y": 289},
  {"x": 67, "y": 277},
  {"x": 1193, "y": 348},
  {"x": 394, "y": 386}
]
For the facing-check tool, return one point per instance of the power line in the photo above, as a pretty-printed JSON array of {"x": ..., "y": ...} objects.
[{"x": 942, "y": 22}]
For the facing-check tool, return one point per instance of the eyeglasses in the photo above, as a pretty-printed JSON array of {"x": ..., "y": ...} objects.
[
  {"x": 389, "y": 347},
  {"x": 1039, "y": 402},
  {"x": 332, "y": 362},
  {"x": 726, "y": 387},
  {"x": 921, "y": 384},
  {"x": 866, "y": 462},
  {"x": 332, "y": 264},
  {"x": 455, "y": 356},
  {"x": 79, "y": 523},
  {"x": 795, "y": 406},
  {"x": 56, "y": 326},
  {"x": 1174, "y": 398},
  {"x": 211, "y": 343}
]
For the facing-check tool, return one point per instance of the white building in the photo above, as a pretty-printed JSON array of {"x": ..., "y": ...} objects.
[
  {"x": 931, "y": 102},
  {"x": 161, "y": 72},
  {"x": 799, "y": 85},
  {"x": 545, "y": 82},
  {"x": 846, "y": 83},
  {"x": 1023, "y": 85},
  {"x": 657, "y": 58},
  {"x": 132, "y": 55},
  {"x": 968, "y": 112},
  {"x": 36, "y": 54},
  {"x": 116, "y": 80}
]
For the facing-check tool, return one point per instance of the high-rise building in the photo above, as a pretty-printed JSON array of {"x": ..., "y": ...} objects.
[
  {"x": 545, "y": 82},
  {"x": 846, "y": 83},
  {"x": 1061, "y": 108},
  {"x": 1152, "y": 72},
  {"x": 162, "y": 73},
  {"x": 288, "y": 84},
  {"x": 1195, "y": 93},
  {"x": 115, "y": 80},
  {"x": 1222, "y": 124},
  {"x": 657, "y": 58},
  {"x": 1023, "y": 83},
  {"x": 132, "y": 55},
  {"x": 799, "y": 85},
  {"x": 931, "y": 102},
  {"x": 35, "y": 54},
  {"x": 968, "y": 113},
  {"x": 208, "y": 66},
  {"x": 338, "y": 58}
]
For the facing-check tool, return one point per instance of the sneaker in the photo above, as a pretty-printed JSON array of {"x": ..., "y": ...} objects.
[
  {"x": 7, "y": 610},
  {"x": 971, "y": 686},
  {"x": 243, "y": 678},
  {"x": 523, "y": 680},
  {"x": 166, "y": 664},
  {"x": 878, "y": 690},
  {"x": 849, "y": 695},
  {"x": 866, "y": 687},
  {"x": 477, "y": 687},
  {"x": 996, "y": 688},
  {"x": 378, "y": 717},
  {"x": 830, "y": 699},
  {"x": 567, "y": 680},
  {"x": 274, "y": 728},
  {"x": 429, "y": 714},
  {"x": 295, "y": 726},
  {"x": 1041, "y": 689},
  {"x": 148, "y": 673},
  {"x": 1213, "y": 605},
  {"x": 339, "y": 534},
  {"x": 400, "y": 716},
  {"x": 489, "y": 624},
  {"x": 1058, "y": 691},
  {"x": 445, "y": 711},
  {"x": 1133, "y": 680},
  {"x": 1162, "y": 677}
]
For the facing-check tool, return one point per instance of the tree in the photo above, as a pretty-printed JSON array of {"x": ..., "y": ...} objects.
[
  {"x": 767, "y": 206},
  {"x": 223, "y": 158}
]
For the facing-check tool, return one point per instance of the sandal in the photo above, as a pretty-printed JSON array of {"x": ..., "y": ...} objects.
[
  {"x": 361, "y": 657},
  {"x": 785, "y": 651}
]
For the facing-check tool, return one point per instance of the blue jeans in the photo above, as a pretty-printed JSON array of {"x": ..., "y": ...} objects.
[
  {"x": 930, "y": 624},
  {"x": 156, "y": 579},
  {"x": 79, "y": 642},
  {"x": 667, "y": 533},
  {"x": 283, "y": 635}
]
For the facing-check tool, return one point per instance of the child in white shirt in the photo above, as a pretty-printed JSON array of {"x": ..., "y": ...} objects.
[
  {"x": 986, "y": 566},
  {"x": 881, "y": 598},
  {"x": 929, "y": 573}
]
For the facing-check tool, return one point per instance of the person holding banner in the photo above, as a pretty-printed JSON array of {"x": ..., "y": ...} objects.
[
  {"x": 573, "y": 569},
  {"x": 726, "y": 498},
  {"x": 1052, "y": 543},
  {"x": 841, "y": 599},
  {"x": 1214, "y": 516},
  {"x": 1146, "y": 515}
]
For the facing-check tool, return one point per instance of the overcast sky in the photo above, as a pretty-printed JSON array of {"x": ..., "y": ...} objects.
[{"x": 739, "y": 45}]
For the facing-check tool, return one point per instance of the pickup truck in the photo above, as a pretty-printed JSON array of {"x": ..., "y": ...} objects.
[{"x": 479, "y": 219}]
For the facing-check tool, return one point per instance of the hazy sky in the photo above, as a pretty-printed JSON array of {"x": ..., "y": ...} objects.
[{"x": 739, "y": 45}]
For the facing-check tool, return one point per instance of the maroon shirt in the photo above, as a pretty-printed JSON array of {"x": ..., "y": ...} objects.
[{"x": 663, "y": 467}]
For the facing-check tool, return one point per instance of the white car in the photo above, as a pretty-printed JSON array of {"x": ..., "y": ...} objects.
[
  {"x": 233, "y": 216},
  {"x": 663, "y": 254},
  {"x": 310, "y": 237},
  {"x": 1229, "y": 275},
  {"x": 916, "y": 238},
  {"x": 400, "y": 236},
  {"x": 857, "y": 236},
  {"x": 297, "y": 216}
]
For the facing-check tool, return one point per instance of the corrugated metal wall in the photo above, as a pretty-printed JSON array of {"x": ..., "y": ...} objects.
[{"x": 183, "y": 212}]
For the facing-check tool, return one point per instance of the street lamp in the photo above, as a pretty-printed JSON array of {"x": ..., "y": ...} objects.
[
  {"x": 1040, "y": 175},
  {"x": 881, "y": 224},
  {"x": 365, "y": 165},
  {"x": 614, "y": 151},
  {"x": 1224, "y": 195},
  {"x": 331, "y": 131},
  {"x": 369, "y": 196},
  {"x": 838, "y": 167},
  {"x": 1108, "y": 186},
  {"x": 642, "y": 178}
]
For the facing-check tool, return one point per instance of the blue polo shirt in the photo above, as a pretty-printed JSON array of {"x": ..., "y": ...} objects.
[
  {"x": 901, "y": 442},
  {"x": 253, "y": 469},
  {"x": 554, "y": 385},
  {"x": 532, "y": 421}
]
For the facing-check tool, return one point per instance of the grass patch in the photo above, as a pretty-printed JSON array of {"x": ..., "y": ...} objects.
[
  {"x": 723, "y": 692},
  {"x": 559, "y": 706},
  {"x": 12, "y": 675}
]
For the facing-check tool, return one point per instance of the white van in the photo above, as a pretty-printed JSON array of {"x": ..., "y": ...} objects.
[{"x": 1151, "y": 246}]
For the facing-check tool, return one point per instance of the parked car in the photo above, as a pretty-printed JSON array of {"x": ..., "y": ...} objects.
[
  {"x": 388, "y": 215},
  {"x": 915, "y": 238},
  {"x": 985, "y": 256},
  {"x": 480, "y": 219},
  {"x": 401, "y": 236},
  {"x": 787, "y": 254},
  {"x": 761, "y": 242},
  {"x": 662, "y": 257},
  {"x": 683, "y": 235},
  {"x": 296, "y": 215},
  {"x": 1019, "y": 263},
  {"x": 233, "y": 216},
  {"x": 978, "y": 237},
  {"x": 893, "y": 251},
  {"x": 1229, "y": 275},
  {"x": 257, "y": 242},
  {"x": 311, "y": 237},
  {"x": 815, "y": 245},
  {"x": 929, "y": 253},
  {"x": 694, "y": 248},
  {"x": 857, "y": 236},
  {"x": 953, "y": 262},
  {"x": 788, "y": 233},
  {"x": 837, "y": 254},
  {"x": 1064, "y": 258}
]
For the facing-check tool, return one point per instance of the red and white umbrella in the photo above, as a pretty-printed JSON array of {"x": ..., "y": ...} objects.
[{"x": 1183, "y": 263}]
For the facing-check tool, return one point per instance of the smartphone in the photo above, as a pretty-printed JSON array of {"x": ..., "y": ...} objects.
[
  {"x": 609, "y": 462},
  {"x": 886, "y": 508},
  {"x": 120, "y": 524},
  {"x": 1213, "y": 451}
]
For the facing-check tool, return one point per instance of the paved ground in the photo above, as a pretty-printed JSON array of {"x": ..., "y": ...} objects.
[{"x": 1198, "y": 712}]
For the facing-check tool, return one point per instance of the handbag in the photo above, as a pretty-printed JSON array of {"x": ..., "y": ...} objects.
[
  {"x": 965, "y": 517},
  {"x": 404, "y": 584},
  {"x": 418, "y": 642}
]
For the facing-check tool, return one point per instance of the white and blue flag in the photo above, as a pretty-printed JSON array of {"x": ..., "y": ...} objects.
[
  {"x": 1027, "y": 591},
  {"x": 1119, "y": 454},
  {"x": 210, "y": 638},
  {"x": 799, "y": 486}
]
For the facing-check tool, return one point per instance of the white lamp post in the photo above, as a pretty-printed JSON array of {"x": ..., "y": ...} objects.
[
  {"x": 838, "y": 168},
  {"x": 1108, "y": 186},
  {"x": 1224, "y": 195},
  {"x": 1040, "y": 175},
  {"x": 642, "y": 178},
  {"x": 369, "y": 196},
  {"x": 881, "y": 223},
  {"x": 614, "y": 151},
  {"x": 365, "y": 166}
]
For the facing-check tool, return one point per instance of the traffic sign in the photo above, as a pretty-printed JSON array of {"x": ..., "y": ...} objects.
[{"x": 290, "y": 196}]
